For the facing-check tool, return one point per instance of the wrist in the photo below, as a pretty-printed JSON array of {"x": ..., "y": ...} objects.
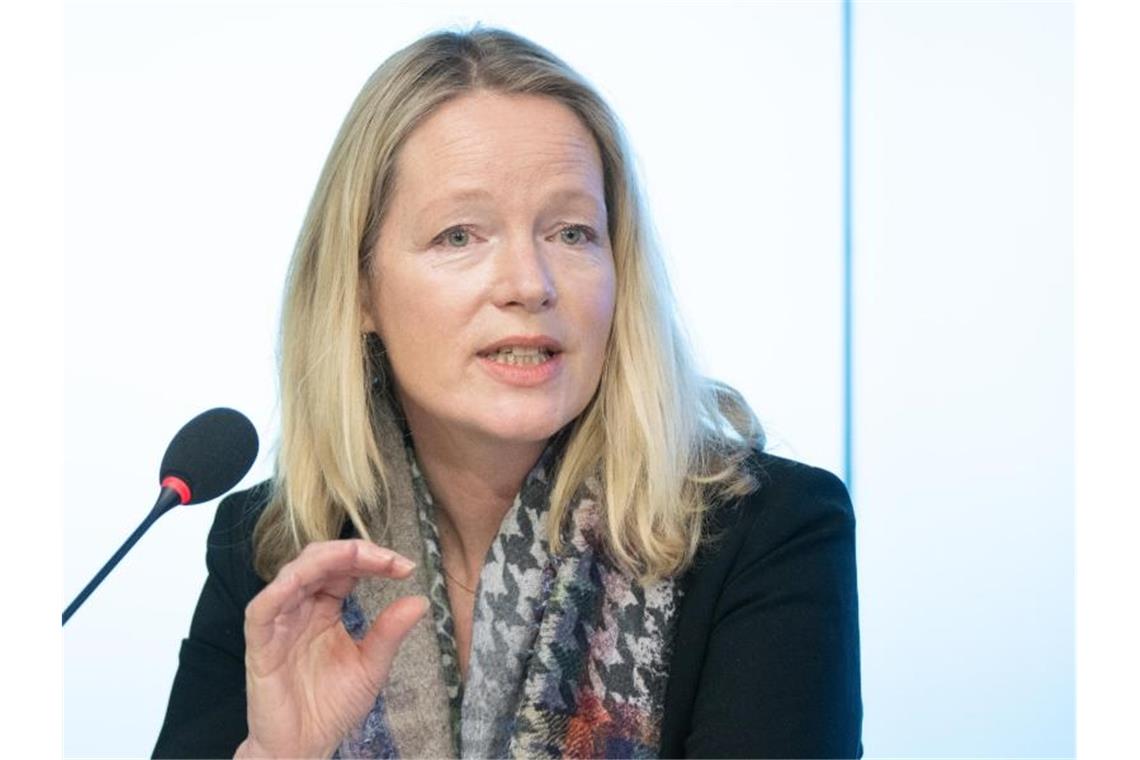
[
  {"x": 245, "y": 750},
  {"x": 250, "y": 749}
]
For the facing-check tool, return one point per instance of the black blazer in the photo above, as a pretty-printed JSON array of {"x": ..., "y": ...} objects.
[{"x": 765, "y": 660}]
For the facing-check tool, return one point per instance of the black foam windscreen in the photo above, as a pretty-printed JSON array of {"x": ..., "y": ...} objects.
[{"x": 211, "y": 453}]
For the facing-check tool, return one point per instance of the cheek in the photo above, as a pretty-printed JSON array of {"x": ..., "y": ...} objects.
[
  {"x": 396, "y": 314},
  {"x": 598, "y": 316},
  {"x": 400, "y": 301},
  {"x": 606, "y": 299},
  {"x": 422, "y": 321}
]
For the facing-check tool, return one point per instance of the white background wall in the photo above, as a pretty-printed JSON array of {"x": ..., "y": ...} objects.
[
  {"x": 194, "y": 138},
  {"x": 964, "y": 377}
]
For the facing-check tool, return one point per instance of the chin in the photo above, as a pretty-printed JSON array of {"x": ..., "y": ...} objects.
[{"x": 525, "y": 429}]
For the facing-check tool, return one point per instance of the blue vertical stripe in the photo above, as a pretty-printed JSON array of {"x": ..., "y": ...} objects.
[{"x": 848, "y": 454}]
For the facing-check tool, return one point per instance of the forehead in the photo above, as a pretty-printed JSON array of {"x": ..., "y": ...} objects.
[{"x": 494, "y": 145}]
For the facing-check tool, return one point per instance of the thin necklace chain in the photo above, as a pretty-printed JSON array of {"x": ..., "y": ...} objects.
[
  {"x": 447, "y": 572},
  {"x": 457, "y": 581}
]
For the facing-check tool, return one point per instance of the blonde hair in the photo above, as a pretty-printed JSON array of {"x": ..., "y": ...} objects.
[{"x": 663, "y": 442}]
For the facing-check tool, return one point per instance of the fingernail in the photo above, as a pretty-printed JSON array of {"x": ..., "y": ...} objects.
[{"x": 403, "y": 563}]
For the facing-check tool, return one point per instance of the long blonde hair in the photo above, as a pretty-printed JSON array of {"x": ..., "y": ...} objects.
[{"x": 663, "y": 442}]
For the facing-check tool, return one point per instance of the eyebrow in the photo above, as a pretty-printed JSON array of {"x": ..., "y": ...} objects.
[{"x": 571, "y": 194}]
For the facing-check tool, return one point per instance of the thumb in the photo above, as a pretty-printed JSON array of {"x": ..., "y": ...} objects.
[{"x": 388, "y": 632}]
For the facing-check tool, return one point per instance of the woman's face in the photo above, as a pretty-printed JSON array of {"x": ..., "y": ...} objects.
[{"x": 496, "y": 234}]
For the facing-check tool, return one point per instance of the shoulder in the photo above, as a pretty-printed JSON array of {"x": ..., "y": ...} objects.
[
  {"x": 782, "y": 478},
  {"x": 765, "y": 650},
  {"x": 791, "y": 497},
  {"x": 229, "y": 548},
  {"x": 236, "y": 517},
  {"x": 238, "y": 512},
  {"x": 798, "y": 525}
]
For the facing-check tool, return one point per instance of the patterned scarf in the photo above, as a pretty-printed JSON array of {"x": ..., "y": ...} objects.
[{"x": 569, "y": 656}]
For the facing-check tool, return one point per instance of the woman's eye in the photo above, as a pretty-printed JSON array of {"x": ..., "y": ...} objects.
[
  {"x": 456, "y": 237},
  {"x": 460, "y": 237},
  {"x": 576, "y": 234}
]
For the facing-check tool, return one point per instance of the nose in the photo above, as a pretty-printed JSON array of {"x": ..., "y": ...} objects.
[{"x": 524, "y": 277}]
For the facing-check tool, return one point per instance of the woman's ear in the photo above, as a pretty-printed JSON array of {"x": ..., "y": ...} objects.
[
  {"x": 364, "y": 298},
  {"x": 367, "y": 324}
]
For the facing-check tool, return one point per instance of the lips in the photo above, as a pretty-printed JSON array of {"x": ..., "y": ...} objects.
[{"x": 544, "y": 342}]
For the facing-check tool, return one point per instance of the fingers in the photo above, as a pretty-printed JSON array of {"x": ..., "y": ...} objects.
[
  {"x": 388, "y": 632},
  {"x": 326, "y": 567}
]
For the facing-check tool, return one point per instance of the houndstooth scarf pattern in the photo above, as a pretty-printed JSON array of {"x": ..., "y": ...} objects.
[{"x": 569, "y": 655}]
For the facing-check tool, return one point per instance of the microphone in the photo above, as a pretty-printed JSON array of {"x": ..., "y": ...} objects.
[{"x": 206, "y": 458}]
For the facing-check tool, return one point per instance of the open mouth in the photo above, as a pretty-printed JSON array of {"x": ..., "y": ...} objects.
[{"x": 518, "y": 356}]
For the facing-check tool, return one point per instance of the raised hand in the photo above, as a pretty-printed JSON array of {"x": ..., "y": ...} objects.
[{"x": 308, "y": 683}]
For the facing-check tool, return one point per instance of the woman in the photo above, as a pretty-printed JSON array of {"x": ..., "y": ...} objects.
[{"x": 509, "y": 517}]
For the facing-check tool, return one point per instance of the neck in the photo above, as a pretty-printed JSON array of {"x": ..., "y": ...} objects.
[{"x": 473, "y": 485}]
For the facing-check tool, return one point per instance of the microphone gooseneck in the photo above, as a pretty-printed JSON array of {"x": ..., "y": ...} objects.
[{"x": 206, "y": 458}]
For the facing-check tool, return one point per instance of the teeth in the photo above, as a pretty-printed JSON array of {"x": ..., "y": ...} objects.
[
  {"x": 520, "y": 355},
  {"x": 521, "y": 351}
]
